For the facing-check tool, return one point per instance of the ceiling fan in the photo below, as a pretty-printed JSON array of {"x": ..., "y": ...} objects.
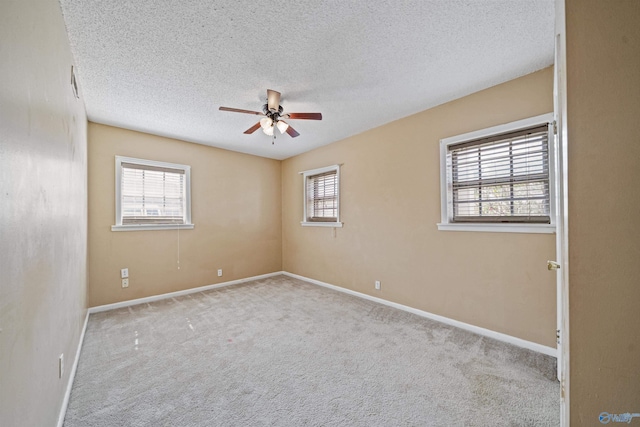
[{"x": 273, "y": 116}]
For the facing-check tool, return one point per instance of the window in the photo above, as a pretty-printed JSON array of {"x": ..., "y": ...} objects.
[
  {"x": 152, "y": 195},
  {"x": 499, "y": 179},
  {"x": 322, "y": 197}
]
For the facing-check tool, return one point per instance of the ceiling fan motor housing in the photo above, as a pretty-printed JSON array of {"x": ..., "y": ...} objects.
[{"x": 272, "y": 114}]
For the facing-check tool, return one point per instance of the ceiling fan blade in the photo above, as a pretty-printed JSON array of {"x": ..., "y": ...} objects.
[
  {"x": 273, "y": 99},
  {"x": 292, "y": 132},
  {"x": 305, "y": 116},
  {"x": 238, "y": 110},
  {"x": 252, "y": 129}
]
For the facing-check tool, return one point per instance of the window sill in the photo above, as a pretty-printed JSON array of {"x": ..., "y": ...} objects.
[
  {"x": 321, "y": 224},
  {"x": 498, "y": 228},
  {"x": 146, "y": 227}
]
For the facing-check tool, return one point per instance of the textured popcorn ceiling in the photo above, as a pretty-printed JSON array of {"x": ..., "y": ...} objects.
[{"x": 164, "y": 67}]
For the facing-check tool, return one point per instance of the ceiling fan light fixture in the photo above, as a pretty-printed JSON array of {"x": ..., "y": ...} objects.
[
  {"x": 282, "y": 126},
  {"x": 268, "y": 130},
  {"x": 266, "y": 123}
]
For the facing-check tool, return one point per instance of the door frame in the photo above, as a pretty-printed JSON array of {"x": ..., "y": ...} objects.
[{"x": 562, "y": 225}]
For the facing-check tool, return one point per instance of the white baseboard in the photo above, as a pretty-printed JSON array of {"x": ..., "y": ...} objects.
[
  {"x": 72, "y": 374},
  {"x": 128, "y": 303},
  {"x": 549, "y": 351}
]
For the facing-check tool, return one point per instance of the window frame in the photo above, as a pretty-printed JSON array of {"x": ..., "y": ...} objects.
[
  {"x": 311, "y": 173},
  {"x": 118, "y": 193},
  {"x": 446, "y": 191}
]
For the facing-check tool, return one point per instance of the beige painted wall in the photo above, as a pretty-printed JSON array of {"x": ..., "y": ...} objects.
[
  {"x": 43, "y": 213},
  {"x": 390, "y": 206},
  {"x": 603, "y": 66},
  {"x": 236, "y": 209}
]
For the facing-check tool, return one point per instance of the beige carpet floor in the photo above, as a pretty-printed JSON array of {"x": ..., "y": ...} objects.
[{"x": 283, "y": 352}]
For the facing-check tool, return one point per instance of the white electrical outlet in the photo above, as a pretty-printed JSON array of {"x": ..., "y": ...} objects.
[
  {"x": 124, "y": 273},
  {"x": 61, "y": 366},
  {"x": 378, "y": 284},
  {"x": 219, "y": 272},
  {"x": 125, "y": 283}
]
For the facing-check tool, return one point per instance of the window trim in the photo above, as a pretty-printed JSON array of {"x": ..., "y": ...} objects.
[
  {"x": 446, "y": 224},
  {"x": 140, "y": 227},
  {"x": 313, "y": 172}
]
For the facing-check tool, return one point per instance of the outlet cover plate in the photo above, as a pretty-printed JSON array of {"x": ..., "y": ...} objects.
[{"x": 61, "y": 366}]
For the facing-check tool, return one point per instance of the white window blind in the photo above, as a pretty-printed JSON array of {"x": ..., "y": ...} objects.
[
  {"x": 501, "y": 178},
  {"x": 322, "y": 197},
  {"x": 152, "y": 195}
]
